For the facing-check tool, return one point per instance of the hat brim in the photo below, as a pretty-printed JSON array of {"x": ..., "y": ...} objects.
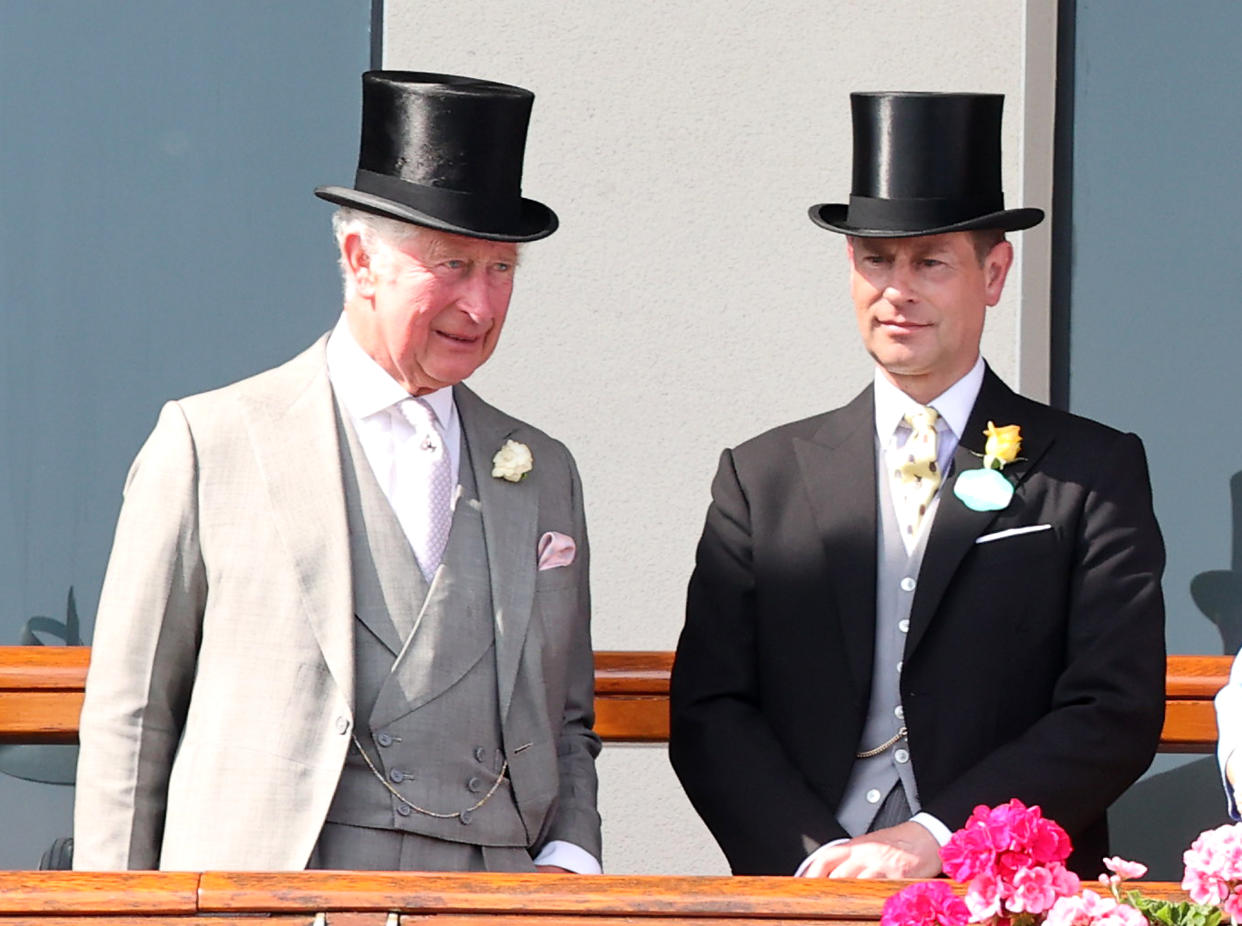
[
  {"x": 832, "y": 216},
  {"x": 535, "y": 221}
]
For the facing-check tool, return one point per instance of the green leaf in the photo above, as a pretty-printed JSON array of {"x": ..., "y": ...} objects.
[{"x": 1166, "y": 913}]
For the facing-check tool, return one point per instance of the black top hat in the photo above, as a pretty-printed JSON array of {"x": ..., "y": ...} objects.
[
  {"x": 925, "y": 163},
  {"x": 445, "y": 152}
]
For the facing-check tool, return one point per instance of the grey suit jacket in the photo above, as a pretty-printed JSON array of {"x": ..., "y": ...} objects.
[{"x": 218, "y": 704}]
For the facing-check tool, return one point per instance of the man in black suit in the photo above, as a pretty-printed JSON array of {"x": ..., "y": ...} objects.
[{"x": 894, "y": 618}]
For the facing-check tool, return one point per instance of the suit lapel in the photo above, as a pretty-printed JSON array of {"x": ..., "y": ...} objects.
[
  {"x": 844, "y": 507},
  {"x": 510, "y": 520},
  {"x": 956, "y": 526},
  {"x": 292, "y": 428}
]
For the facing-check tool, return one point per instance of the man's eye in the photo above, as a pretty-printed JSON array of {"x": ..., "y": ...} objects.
[
  {"x": 502, "y": 267},
  {"x": 454, "y": 264}
]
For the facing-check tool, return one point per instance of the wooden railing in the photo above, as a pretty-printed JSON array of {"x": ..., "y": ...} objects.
[
  {"x": 41, "y": 696},
  {"x": 370, "y": 899}
]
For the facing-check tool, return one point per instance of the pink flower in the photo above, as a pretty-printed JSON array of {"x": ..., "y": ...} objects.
[
  {"x": 1033, "y": 891},
  {"x": 1233, "y": 906},
  {"x": 983, "y": 897},
  {"x": 1064, "y": 881},
  {"x": 1090, "y": 909},
  {"x": 1214, "y": 866},
  {"x": 968, "y": 852},
  {"x": 1125, "y": 870},
  {"x": 927, "y": 903}
]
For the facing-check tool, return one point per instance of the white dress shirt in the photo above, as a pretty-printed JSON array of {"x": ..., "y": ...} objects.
[
  {"x": 953, "y": 406},
  {"x": 369, "y": 397}
]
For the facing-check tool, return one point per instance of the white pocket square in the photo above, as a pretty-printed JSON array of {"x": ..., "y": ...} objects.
[
  {"x": 1013, "y": 532},
  {"x": 556, "y": 549}
]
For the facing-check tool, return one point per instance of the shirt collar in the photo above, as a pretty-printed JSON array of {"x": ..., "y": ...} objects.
[
  {"x": 364, "y": 387},
  {"x": 954, "y": 405}
]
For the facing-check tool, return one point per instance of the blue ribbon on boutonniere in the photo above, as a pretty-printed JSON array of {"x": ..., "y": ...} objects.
[{"x": 986, "y": 489}]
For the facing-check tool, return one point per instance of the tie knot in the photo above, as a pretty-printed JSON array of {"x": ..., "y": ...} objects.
[
  {"x": 922, "y": 419},
  {"x": 418, "y": 414}
]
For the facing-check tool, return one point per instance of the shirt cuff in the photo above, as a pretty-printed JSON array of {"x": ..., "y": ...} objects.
[
  {"x": 566, "y": 855},
  {"x": 806, "y": 862},
  {"x": 939, "y": 831}
]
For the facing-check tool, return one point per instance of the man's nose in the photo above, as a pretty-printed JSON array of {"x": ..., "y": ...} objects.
[
  {"x": 899, "y": 285},
  {"x": 475, "y": 298}
]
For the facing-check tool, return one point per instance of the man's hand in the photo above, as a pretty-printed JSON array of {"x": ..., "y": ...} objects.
[
  {"x": 907, "y": 850},
  {"x": 553, "y": 869}
]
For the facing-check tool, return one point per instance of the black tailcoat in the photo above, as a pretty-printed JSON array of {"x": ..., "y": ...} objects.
[{"x": 1034, "y": 664}]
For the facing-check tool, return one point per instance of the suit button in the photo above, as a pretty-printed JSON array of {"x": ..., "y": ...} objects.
[
  {"x": 402, "y": 810},
  {"x": 901, "y": 757},
  {"x": 903, "y": 626},
  {"x": 907, "y": 584},
  {"x": 342, "y": 724},
  {"x": 396, "y": 777},
  {"x": 479, "y": 753},
  {"x": 873, "y": 796},
  {"x": 899, "y": 712},
  {"x": 474, "y": 785},
  {"x": 384, "y": 739},
  {"x": 466, "y": 816}
]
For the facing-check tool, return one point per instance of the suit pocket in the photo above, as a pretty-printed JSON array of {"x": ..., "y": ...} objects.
[
  {"x": 556, "y": 579},
  {"x": 1022, "y": 547}
]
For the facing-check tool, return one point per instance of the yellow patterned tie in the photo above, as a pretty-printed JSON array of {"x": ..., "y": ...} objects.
[{"x": 917, "y": 476}]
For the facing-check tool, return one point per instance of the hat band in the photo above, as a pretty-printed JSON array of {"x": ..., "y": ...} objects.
[
  {"x": 913, "y": 214},
  {"x": 467, "y": 210}
]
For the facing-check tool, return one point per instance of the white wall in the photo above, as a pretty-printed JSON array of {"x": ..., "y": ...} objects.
[{"x": 687, "y": 301}]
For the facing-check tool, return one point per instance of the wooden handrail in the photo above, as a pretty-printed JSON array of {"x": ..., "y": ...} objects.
[
  {"x": 536, "y": 900},
  {"x": 41, "y": 696}
]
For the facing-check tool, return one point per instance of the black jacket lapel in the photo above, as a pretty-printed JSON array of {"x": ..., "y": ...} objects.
[{"x": 956, "y": 526}]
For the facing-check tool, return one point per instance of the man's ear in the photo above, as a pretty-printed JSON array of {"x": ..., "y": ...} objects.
[
  {"x": 358, "y": 262},
  {"x": 995, "y": 269}
]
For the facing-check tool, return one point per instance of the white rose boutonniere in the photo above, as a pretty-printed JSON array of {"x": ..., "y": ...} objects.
[{"x": 512, "y": 461}]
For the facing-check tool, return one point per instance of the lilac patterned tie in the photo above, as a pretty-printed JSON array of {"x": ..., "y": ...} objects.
[
  {"x": 423, "y": 485},
  {"x": 916, "y": 477}
]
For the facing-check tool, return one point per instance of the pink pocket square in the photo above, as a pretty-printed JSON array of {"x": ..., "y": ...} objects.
[{"x": 556, "y": 549}]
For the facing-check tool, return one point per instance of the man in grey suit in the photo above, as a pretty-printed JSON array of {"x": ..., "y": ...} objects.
[{"x": 345, "y": 623}]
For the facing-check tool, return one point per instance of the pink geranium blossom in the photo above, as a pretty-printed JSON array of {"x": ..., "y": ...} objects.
[
  {"x": 1090, "y": 909},
  {"x": 1214, "y": 869},
  {"x": 927, "y": 903},
  {"x": 1123, "y": 869},
  {"x": 1012, "y": 861}
]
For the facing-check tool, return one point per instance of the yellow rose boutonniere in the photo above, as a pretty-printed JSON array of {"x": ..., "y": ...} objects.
[
  {"x": 986, "y": 489},
  {"x": 1002, "y": 446}
]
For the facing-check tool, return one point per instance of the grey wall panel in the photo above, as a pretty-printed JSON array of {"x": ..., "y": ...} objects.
[
  {"x": 1155, "y": 324},
  {"x": 158, "y": 236}
]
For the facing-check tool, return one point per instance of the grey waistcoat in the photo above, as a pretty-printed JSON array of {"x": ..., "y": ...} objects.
[
  {"x": 426, "y": 695},
  {"x": 897, "y": 575}
]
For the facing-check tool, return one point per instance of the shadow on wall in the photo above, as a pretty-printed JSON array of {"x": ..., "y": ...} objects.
[{"x": 1161, "y": 815}]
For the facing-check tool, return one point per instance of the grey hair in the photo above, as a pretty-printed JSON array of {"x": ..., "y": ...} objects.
[{"x": 378, "y": 233}]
